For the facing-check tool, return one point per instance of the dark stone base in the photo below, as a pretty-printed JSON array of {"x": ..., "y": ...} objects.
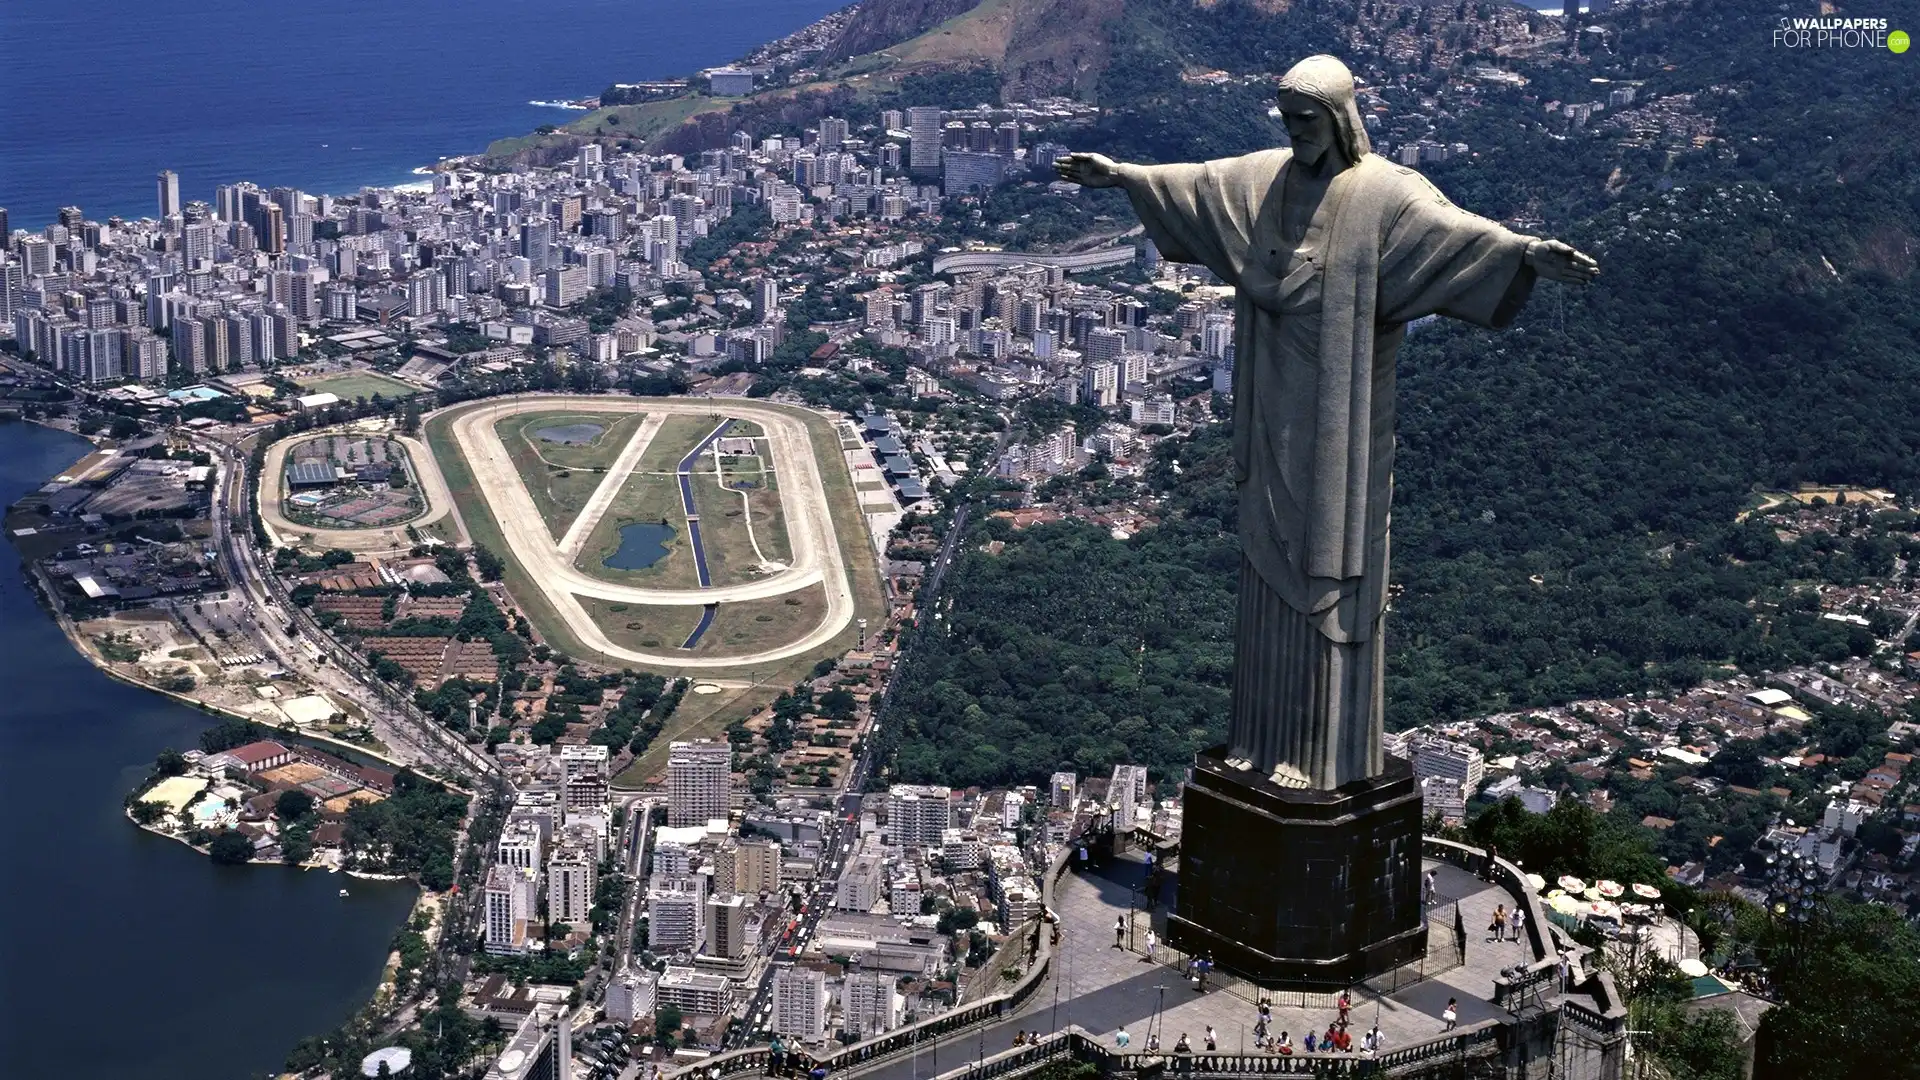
[{"x": 1291, "y": 887}]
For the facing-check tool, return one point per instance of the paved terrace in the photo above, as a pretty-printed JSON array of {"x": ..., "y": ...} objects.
[
  {"x": 1102, "y": 988},
  {"x": 1094, "y": 987}
]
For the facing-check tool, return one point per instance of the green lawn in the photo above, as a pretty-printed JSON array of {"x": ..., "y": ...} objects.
[
  {"x": 645, "y": 497},
  {"x": 560, "y": 477},
  {"x": 358, "y": 384},
  {"x": 731, "y": 557},
  {"x": 648, "y": 627},
  {"x": 651, "y": 493}
]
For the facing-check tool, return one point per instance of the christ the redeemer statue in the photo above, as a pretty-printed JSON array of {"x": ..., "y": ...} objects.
[{"x": 1331, "y": 251}]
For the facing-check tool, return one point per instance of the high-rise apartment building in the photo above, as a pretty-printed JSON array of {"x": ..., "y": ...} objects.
[
  {"x": 923, "y": 146},
  {"x": 699, "y": 781},
  {"x": 631, "y": 995},
  {"x": 1128, "y": 790},
  {"x": 572, "y": 876},
  {"x": 727, "y": 926},
  {"x": 1061, "y": 789},
  {"x": 676, "y": 914},
  {"x": 757, "y": 867},
  {"x": 168, "y": 191},
  {"x": 766, "y": 298},
  {"x": 918, "y": 815},
  {"x": 869, "y": 1004},
  {"x": 800, "y": 1003},
  {"x": 509, "y": 908}
]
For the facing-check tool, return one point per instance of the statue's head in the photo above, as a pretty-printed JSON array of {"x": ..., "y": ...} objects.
[{"x": 1317, "y": 105}]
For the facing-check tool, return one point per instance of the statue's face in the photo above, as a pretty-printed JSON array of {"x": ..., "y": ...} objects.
[{"x": 1309, "y": 126}]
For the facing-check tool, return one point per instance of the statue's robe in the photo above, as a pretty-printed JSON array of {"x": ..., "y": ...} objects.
[{"x": 1317, "y": 325}]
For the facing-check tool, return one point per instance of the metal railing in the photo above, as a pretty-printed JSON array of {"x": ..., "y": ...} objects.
[{"x": 1075, "y": 1043}]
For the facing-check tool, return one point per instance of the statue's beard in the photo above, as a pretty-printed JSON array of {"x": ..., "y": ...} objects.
[{"x": 1309, "y": 153}]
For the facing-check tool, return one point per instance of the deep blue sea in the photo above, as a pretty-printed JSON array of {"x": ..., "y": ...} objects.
[{"x": 98, "y": 96}]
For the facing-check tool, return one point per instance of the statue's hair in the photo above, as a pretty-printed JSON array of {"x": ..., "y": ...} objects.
[{"x": 1328, "y": 81}]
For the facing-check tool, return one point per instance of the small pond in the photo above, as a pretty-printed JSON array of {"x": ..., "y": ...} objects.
[
  {"x": 642, "y": 544},
  {"x": 570, "y": 434}
]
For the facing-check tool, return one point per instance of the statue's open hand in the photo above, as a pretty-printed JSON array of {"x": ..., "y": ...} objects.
[
  {"x": 1088, "y": 170},
  {"x": 1557, "y": 260}
]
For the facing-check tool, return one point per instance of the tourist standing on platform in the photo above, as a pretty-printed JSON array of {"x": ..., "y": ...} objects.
[
  {"x": 1452, "y": 1014},
  {"x": 1119, "y": 931},
  {"x": 1152, "y": 940},
  {"x": 1121, "y": 1038},
  {"x": 1499, "y": 925},
  {"x": 1345, "y": 1005},
  {"x": 1213, "y": 1043},
  {"x": 1429, "y": 889},
  {"x": 1517, "y": 921}
]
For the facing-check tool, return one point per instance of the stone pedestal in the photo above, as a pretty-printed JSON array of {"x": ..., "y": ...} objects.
[{"x": 1292, "y": 887}]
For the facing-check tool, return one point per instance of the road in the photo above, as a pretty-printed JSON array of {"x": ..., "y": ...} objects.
[
  {"x": 344, "y": 676},
  {"x": 803, "y": 501},
  {"x": 843, "y": 831}
]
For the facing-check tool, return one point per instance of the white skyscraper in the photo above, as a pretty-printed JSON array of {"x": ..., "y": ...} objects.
[
  {"x": 168, "y": 185},
  {"x": 918, "y": 815},
  {"x": 572, "y": 876},
  {"x": 699, "y": 781},
  {"x": 800, "y": 1003},
  {"x": 509, "y": 908},
  {"x": 630, "y": 995},
  {"x": 676, "y": 914},
  {"x": 869, "y": 1004}
]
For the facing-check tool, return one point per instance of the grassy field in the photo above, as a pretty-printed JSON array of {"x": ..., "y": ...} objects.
[
  {"x": 738, "y": 629},
  {"x": 600, "y": 453},
  {"x": 724, "y": 517},
  {"x": 358, "y": 384},
  {"x": 652, "y": 493},
  {"x": 752, "y": 625},
  {"x": 655, "y": 628},
  {"x": 561, "y": 478}
]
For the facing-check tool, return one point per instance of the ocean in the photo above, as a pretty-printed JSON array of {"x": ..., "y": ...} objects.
[{"x": 98, "y": 96}]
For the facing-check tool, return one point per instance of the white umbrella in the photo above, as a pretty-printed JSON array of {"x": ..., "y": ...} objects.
[
  {"x": 1647, "y": 892},
  {"x": 1555, "y": 894},
  {"x": 1609, "y": 889},
  {"x": 1565, "y": 904},
  {"x": 1536, "y": 882},
  {"x": 1592, "y": 892},
  {"x": 1572, "y": 884},
  {"x": 1692, "y": 967},
  {"x": 1605, "y": 909}
]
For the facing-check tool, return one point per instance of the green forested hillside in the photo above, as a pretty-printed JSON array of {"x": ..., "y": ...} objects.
[{"x": 1755, "y": 326}]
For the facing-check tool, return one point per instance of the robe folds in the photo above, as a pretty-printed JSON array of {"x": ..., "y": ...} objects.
[{"x": 1317, "y": 327}]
